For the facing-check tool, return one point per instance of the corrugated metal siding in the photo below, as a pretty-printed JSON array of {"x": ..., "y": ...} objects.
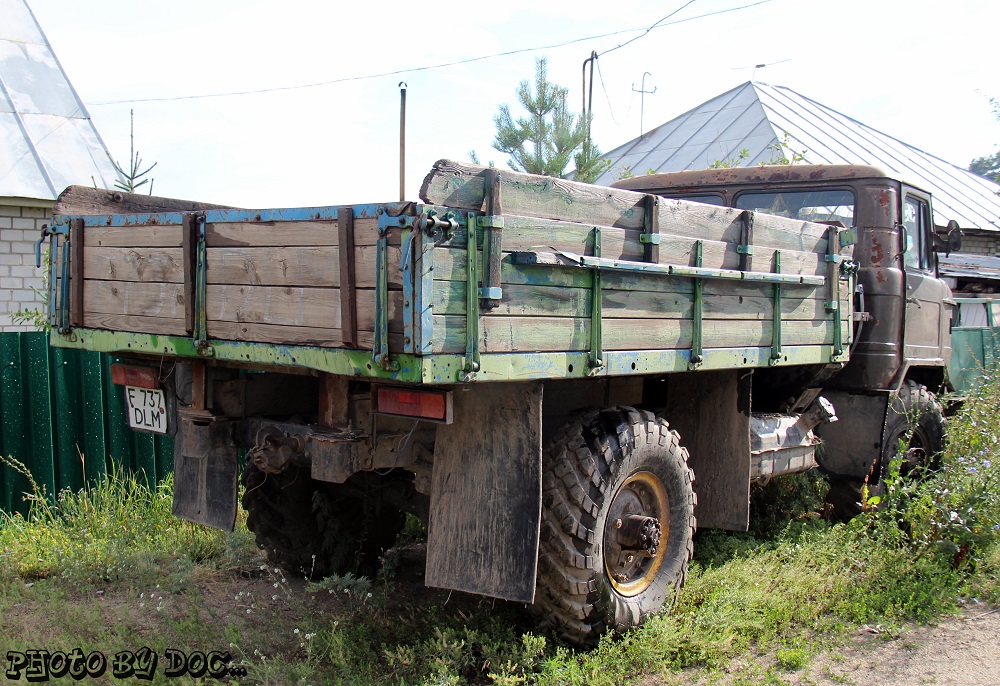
[{"x": 56, "y": 404}]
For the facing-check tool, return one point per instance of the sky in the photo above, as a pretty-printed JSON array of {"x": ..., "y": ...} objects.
[{"x": 922, "y": 71}]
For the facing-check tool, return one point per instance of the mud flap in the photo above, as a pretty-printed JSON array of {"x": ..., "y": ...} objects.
[
  {"x": 206, "y": 464},
  {"x": 711, "y": 412},
  {"x": 852, "y": 446},
  {"x": 486, "y": 500}
]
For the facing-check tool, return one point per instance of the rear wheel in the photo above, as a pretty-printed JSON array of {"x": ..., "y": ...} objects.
[
  {"x": 316, "y": 528},
  {"x": 617, "y": 523}
]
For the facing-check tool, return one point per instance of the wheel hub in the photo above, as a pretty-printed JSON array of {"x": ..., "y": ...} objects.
[{"x": 633, "y": 532}]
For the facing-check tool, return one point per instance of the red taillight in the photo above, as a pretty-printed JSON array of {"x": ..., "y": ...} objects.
[
  {"x": 141, "y": 377},
  {"x": 434, "y": 406}
]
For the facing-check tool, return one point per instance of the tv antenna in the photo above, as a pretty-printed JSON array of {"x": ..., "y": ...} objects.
[{"x": 642, "y": 101}]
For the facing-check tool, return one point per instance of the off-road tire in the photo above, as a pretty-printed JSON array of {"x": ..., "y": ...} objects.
[
  {"x": 316, "y": 528},
  {"x": 585, "y": 468},
  {"x": 915, "y": 417}
]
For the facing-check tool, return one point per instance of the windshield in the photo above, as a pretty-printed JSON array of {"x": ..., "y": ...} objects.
[{"x": 812, "y": 206}]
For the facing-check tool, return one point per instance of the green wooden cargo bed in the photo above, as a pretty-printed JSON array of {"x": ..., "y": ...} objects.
[{"x": 569, "y": 280}]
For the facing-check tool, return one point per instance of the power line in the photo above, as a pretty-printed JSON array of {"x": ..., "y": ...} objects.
[
  {"x": 660, "y": 24},
  {"x": 606, "y": 96},
  {"x": 632, "y": 40}
]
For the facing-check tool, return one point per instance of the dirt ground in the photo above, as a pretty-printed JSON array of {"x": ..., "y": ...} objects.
[{"x": 963, "y": 650}]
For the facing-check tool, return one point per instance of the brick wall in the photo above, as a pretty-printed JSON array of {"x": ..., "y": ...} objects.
[
  {"x": 19, "y": 229},
  {"x": 981, "y": 244}
]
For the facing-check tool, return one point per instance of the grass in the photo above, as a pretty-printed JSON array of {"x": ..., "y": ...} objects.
[{"x": 109, "y": 568}]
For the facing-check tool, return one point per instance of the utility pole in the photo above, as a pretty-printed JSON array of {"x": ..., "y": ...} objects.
[
  {"x": 588, "y": 106},
  {"x": 402, "y": 141},
  {"x": 642, "y": 101}
]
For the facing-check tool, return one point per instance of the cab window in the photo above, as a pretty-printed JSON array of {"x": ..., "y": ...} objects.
[
  {"x": 916, "y": 218},
  {"x": 705, "y": 198},
  {"x": 825, "y": 205}
]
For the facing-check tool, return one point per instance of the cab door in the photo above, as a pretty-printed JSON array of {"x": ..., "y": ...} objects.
[{"x": 926, "y": 317}]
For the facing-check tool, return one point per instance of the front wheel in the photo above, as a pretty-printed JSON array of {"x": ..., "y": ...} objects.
[
  {"x": 617, "y": 523},
  {"x": 914, "y": 429}
]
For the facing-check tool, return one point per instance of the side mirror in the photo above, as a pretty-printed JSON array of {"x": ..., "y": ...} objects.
[{"x": 951, "y": 242}]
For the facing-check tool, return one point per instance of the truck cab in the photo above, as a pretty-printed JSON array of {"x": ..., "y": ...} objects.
[
  {"x": 885, "y": 394},
  {"x": 903, "y": 308}
]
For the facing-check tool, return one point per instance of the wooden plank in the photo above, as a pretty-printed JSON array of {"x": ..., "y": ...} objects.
[
  {"x": 252, "y": 234},
  {"x": 316, "y": 266},
  {"x": 317, "y": 308},
  {"x": 449, "y": 265},
  {"x": 292, "y": 335},
  {"x": 142, "y": 236},
  {"x": 121, "y": 322},
  {"x": 366, "y": 310},
  {"x": 462, "y": 186},
  {"x": 87, "y": 200},
  {"x": 348, "y": 279},
  {"x": 554, "y": 334},
  {"x": 527, "y": 233},
  {"x": 163, "y": 265},
  {"x": 309, "y": 266},
  {"x": 275, "y": 234},
  {"x": 543, "y": 301},
  {"x": 163, "y": 300},
  {"x": 716, "y": 223},
  {"x": 459, "y": 185}
]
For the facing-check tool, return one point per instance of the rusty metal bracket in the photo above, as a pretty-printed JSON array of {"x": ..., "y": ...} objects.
[
  {"x": 745, "y": 248},
  {"x": 834, "y": 261},
  {"x": 650, "y": 237},
  {"x": 490, "y": 294},
  {"x": 698, "y": 311},
  {"x": 76, "y": 272},
  {"x": 201, "y": 289},
  {"x": 380, "y": 352},
  {"x": 776, "y": 314}
]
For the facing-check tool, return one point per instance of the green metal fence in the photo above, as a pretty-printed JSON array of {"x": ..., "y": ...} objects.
[{"x": 62, "y": 417}]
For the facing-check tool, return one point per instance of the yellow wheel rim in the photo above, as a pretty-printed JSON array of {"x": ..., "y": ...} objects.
[{"x": 631, "y": 570}]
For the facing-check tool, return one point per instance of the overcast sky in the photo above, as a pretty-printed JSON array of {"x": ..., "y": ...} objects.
[{"x": 919, "y": 70}]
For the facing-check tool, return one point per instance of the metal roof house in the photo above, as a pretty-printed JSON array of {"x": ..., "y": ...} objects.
[
  {"x": 756, "y": 116},
  {"x": 47, "y": 139},
  {"x": 47, "y": 142}
]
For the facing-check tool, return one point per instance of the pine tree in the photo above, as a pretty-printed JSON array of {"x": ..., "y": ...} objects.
[{"x": 545, "y": 141}]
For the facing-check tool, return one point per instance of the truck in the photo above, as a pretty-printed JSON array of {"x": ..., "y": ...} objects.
[{"x": 537, "y": 368}]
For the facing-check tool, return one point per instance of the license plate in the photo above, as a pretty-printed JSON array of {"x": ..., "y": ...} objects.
[{"x": 146, "y": 409}]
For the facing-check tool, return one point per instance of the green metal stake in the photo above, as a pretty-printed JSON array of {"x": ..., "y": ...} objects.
[
  {"x": 697, "y": 315},
  {"x": 776, "y": 315},
  {"x": 471, "y": 302},
  {"x": 596, "y": 312}
]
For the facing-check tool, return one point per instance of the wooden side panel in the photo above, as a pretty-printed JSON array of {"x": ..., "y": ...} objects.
[
  {"x": 281, "y": 282},
  {"x": 460, "y": 185},
  {"x": 528, "y": 233},
  {"x": 554, "y": 334}
]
